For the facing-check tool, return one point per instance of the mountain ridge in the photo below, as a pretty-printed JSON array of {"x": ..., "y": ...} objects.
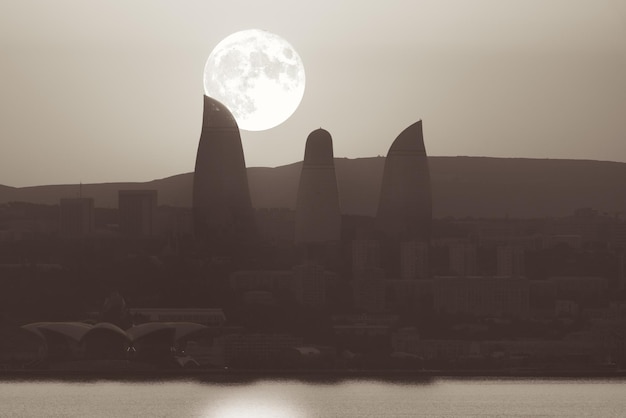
[{"x": 461, "y": 186}]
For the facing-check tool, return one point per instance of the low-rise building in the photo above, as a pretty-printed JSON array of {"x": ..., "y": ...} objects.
[
  {"x": 481, "y": 296},
  {"x": 253, "y": 350}
]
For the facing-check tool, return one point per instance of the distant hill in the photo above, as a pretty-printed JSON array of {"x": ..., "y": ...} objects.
[{"x": 462, "y": 186}]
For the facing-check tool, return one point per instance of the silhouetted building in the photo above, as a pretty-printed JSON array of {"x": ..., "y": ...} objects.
[
  {"x": 552, "y": 241},
  {"x": 481, "y": 296},
  {"x": 363, "y": 332},
  {"x": 76, "y": 216},
  {"x": 413, "y": 260},
  {"x": 368, "y": 289},
  {"x": 463, "y": 258},
  {"x": 275, "y": 281},
  {"x": 318, "y": 218},
  {"x": 621, "y": 272},
  {"x": 510, "y": 261},
  {"x": 411, "y": 295},
  {"x": 223, "y": 215},
  {"x": 619, "y": 235},
  {"x": 365, "y": 254},
  {"x": 592, "y": 226},
  {"x": 311, "y": 282},
  {"x": 173, "y": 221},
  {"x": 405, "y": 340},
  {"x": 587, "y": 291},
  {"x": 405, "y": 205},
  {"x": 408, "y": 341},
  {"x": 275, "y": 225},
  {"x": 566, "y": 308},
  {"x": 137, "y": 211},
  {"x": 259, "y": 298},
  {"x": 254, "y": 350},
  {"x": 306, "y": 284}
]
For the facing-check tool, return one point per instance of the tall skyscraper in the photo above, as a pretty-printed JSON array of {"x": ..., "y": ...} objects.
[
  {"x": 137, "y": 210},
  {"x": 222, "y": 208},
  {"x": 318, "y": 218},
  {"x": 405, "y": 205}
]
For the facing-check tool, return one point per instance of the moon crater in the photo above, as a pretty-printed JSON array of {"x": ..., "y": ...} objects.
[{"x": 258, "y": 75}]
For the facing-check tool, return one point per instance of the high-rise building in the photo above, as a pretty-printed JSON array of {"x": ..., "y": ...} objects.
[
  {"x": 405, "y": 205},
  {"x": 76, "y": 216},
  {"x": 137, "y": 211},
  {"x": 318, "y": 217},
  {"x": 222, "y": 207}
]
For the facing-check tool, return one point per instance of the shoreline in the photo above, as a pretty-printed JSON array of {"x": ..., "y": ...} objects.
[{"x": 246, "y": 375}]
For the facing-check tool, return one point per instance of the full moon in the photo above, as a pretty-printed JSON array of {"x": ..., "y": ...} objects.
[{"x": 258, "y": 75}]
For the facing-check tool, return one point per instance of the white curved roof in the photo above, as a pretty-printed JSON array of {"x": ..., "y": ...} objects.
[
  {"x": 109, "y": 327},
  {"x": 34, "y": 328},
  {"x": 139, "y": 331},
  {"x": 78, "y": 330},
  {"x": 73, "y": 330}
]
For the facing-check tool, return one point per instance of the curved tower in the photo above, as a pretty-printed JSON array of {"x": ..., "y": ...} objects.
[
  {"x": 318, "y": 218},
  {"x": 405, "y": 205},
  {"x": 222, "y": 208}
]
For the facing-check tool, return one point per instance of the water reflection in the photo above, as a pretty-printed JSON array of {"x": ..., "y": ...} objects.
[
  {"x": 265, "y": 399},
  {"x": 299, "y": 399},
  {"x": 254, "y": 411}
]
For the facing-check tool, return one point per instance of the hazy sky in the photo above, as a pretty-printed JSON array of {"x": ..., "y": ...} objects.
[{"x": 99, "y": 91}]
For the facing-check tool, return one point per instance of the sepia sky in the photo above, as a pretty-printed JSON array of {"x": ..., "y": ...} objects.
[{"x": 103, "y": 91}]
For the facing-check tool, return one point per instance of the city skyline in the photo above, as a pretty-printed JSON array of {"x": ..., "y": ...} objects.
[
  {"x": 525, "y": 79},
  {"x": 349, "y": 249}
]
